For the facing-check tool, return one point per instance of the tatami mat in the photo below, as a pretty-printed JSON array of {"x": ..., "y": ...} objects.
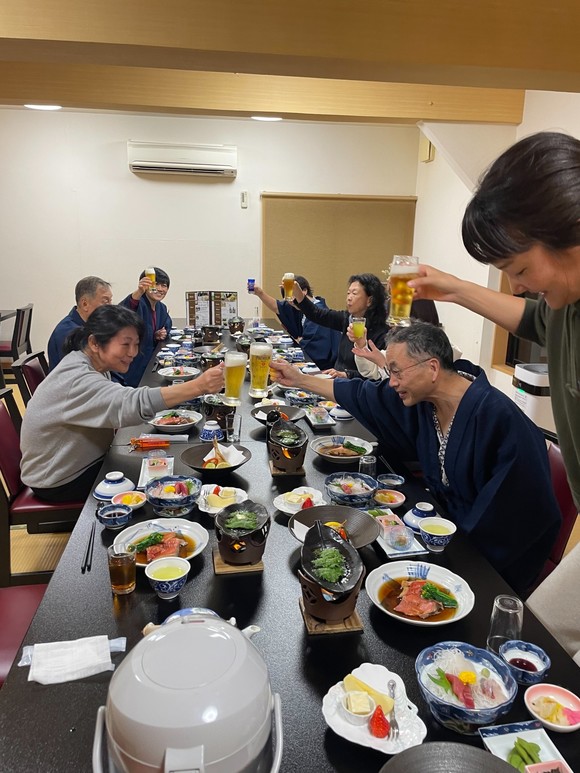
[{"x": 35, "y": 552}]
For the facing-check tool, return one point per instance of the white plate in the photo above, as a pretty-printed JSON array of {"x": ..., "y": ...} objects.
[
  {"x": 340, "y": 414},
  {"x": 241, "y": 496},
  {"x": 421, "y": 570},
  {"x": 175, "y": 429},
  {"x": 500, "y": 739},
  {"x": 281, "y": 504},
  {"x": 412, "y": 729},
  {"x": 140, "y": 530},
  {"x": 338, "y": 440},
  {"x": 144, "y": 477},
  {"x": 322, "y": 419},
  {"x": 269, "y": 404}
]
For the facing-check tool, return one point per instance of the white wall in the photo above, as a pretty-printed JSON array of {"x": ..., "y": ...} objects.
[{"x": 69, "y": 206}]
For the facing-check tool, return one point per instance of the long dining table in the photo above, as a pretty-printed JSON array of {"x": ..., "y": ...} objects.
[{"x": 50, "y": 729}]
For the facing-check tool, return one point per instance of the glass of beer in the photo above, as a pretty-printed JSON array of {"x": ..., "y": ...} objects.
[
  {"x": 235, "y": 372},
  {"x": 122, "y": 569},
  {"x": 403, "y": 269},
  {"x": 260, "y": 356},
  {"x": 288, "y": 283},
  {"x": 150, "y": 274},
  {"x": 358, "y": 326}
]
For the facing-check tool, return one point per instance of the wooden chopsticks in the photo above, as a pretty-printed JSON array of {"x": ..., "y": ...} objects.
[{"x": 88, "y": 557}]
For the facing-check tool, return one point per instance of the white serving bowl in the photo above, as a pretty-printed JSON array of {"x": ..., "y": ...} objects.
[
  {"x": 193, "y": 418},
  {"x": 179, "y": 373}
]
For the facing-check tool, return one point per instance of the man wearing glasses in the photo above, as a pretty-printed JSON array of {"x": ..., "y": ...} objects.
[
  {"x": 483, "y": 460},
  {"x": 147, "y": 302}
]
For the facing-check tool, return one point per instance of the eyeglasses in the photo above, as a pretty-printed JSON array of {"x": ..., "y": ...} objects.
[{"x": 396, "y": 372}]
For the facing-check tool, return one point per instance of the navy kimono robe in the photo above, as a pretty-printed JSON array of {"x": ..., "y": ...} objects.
[
  {"x": 148, "y": 343},
  {"x": 317, "y": 342},
  {"x": 500, "y": 490}
]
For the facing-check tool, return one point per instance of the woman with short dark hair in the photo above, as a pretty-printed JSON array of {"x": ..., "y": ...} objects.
[
  {"x": 524, "y": 218},
  {"x": 71, "y": 419}
]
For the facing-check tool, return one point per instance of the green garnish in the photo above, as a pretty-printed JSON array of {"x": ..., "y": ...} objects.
[
  {"x": 430, "y": 591},
  {"x": 287, "y": 436},
  {"x": 244, "y": 520},
  {"x": 329, "y": 564},
  {"x": 152, "y": 539},
  {"x": 352, "y": 447},
  {"x": 441, "y": 680}
]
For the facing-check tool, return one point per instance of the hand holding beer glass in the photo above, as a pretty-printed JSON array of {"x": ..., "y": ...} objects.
[
  {"x": 260, "y": 356},
  {"x": 403, "y": 269},
  {"x": 235, "y": 372},
  {"x": 359, "y": 325},
  {"x": 150, "y": 275},
  {"x": 288, "y": 283}
]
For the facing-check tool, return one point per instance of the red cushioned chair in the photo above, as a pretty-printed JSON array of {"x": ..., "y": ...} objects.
[
  {"x": 18, "y": 505},
  {"x": 29, "y": 371},
  {"x": 567, "y": 508},
  {"x": 18, "y": 606},
  {"x": 20, "y": 343}
]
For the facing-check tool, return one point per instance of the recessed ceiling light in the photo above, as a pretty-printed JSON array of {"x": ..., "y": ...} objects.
[
  {"x": 266, "y": 118},
  {"x": 44, "y": 107}
]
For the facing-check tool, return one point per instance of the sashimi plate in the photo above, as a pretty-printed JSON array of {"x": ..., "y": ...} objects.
[
  {"x": 412, "y": 729},
  {"x": 500, "y": 739},
  {"x": 139, "y": 531},
  {"x": 421, "y": 571}
]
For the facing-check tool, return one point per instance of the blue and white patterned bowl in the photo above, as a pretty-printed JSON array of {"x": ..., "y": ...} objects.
[
  {"x": 211, "y": 430},
  {"x": 351, "y": 500},
  {"x": 436, "y": 543},
  {"x": 300, "y": 398},
  {"x": 114, "y": 516},
  {"x": 458, "y": 718},
  {"x": 525, "y": 650},
  {"x": 173, "y": 506},
  {"x": 168, "y": 589}
]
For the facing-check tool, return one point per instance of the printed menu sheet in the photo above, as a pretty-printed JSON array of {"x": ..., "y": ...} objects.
[{"x": 210, "y": 307}]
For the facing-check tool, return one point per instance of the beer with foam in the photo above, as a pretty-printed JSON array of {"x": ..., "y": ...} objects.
[
  {"x": 403, "y": 269},
  {"x": 260, "y": 356},
  {"x": 235, "y": 372}
]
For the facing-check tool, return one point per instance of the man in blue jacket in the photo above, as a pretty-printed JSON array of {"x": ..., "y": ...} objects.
[
  {"x": 90, "y": 293},
  {"x": 483, "y": 460}
]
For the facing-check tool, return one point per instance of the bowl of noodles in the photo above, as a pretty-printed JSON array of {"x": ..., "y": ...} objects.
[{"x": 464, "y": 686}]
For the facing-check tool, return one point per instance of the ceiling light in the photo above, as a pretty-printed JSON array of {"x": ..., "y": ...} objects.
[
  {"x": 266, "y": 118},
  {"x": 44, "y": 107}
]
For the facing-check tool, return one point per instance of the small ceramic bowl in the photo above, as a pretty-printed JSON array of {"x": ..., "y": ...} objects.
[
  {"x": 413, "y": 516},
  {"x": 356, "y": 719},
  {"x": 516, "y": 650},
  {"x": 133, "y": 499},
  {"x": 400, "y": 537},
  {"x": 328, "y": 404},
  {"x": 167, "y": 576},
  {"x": 564, "y": 697},
  {"x": 389, "y": 497},
  {"x": 114, "y": 516},
  {"x": 436, "y": 533},
  {"x": 390, "y": 480},
  {"x": 211, "y": 430}
]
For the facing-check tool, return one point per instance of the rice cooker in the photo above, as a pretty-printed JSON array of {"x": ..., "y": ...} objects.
[{"x": 193, "y": 696}]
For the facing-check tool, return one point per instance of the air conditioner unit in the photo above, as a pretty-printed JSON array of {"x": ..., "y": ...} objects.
[{"x": 206, "y": 160}]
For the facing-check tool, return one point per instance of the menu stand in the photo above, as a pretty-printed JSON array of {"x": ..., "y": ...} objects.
[{"x": 221, "y": 567}]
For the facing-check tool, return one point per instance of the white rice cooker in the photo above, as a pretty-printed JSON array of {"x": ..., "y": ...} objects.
[{"x": 193, "y": 697}]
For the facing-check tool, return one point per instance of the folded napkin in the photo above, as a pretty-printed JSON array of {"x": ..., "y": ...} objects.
[
  {"x": 64, "y": 661},
  {"x": 229, "y": 453}
]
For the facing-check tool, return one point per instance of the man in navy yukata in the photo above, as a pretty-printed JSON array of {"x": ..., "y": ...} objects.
[{"x": 483, "y": 460}]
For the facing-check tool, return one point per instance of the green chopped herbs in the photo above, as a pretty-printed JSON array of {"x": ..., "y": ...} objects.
[
  {"x": 242, "y": 519},
  {"x": 441, "y": 680},
  {"x": 152, "y": 539},
  {"x": 329, "y": 564},
  {"x": 430, "y": 591}
]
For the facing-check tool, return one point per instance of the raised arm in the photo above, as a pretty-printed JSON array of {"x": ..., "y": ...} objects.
[
  {"x": 266, "y": 299},
  {"x": 505, "y": 310}
]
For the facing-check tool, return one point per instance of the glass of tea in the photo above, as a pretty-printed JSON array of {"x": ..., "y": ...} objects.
[
  {"x": 288, "y": 284},
  {"x": 122, "y": 569},
  {"x": 403, "y": 269}
]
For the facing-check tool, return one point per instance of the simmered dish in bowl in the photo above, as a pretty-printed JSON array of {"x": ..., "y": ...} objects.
[
  {"x": 176, "y": 421},
  {"x": 171, "y": 537},
  {"x": 341, "y": 449}
]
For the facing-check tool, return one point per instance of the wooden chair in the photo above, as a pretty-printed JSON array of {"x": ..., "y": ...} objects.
[
  {"x": 29, "y": 371},
  {"x": 18, "y": 505},
  {"x": 20, "y": 343},
  {"x": 18, "y": 606},
  {"x": 567, "y": 508}
]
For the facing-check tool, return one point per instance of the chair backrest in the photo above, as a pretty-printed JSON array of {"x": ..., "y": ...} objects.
[
  {"x": 21, "y": 332},
  {"x": 10, "y": 423},
  {"x": 29, "y": 371},
  {"x": 567, "y": 508}
]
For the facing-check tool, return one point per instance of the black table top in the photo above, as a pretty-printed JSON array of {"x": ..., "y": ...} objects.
[{"x": 50, "y": 728}]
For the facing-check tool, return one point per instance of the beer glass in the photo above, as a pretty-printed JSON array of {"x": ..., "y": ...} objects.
[
  {"x": 358, "y": 326},
  {"x": 260, "y": 356},
  {"x": 288, "y": 282},
  {"x": 403, "y": 269},
  {"x": 235, "y": 372},
  {"x": 150, "y": 274}
]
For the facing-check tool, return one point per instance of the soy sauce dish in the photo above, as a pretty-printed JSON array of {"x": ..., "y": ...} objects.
[{"x": 529, "y": 664}]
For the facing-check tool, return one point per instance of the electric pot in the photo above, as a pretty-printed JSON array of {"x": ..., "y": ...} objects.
[{"x": 193, "y": 695}]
